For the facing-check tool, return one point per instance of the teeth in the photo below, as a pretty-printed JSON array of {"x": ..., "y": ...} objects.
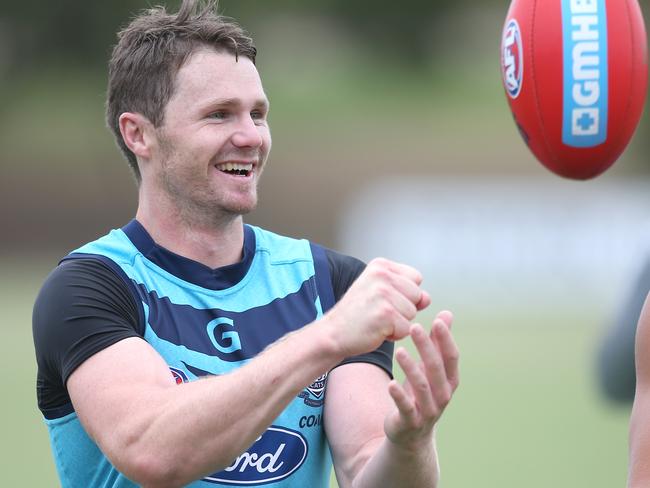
[{"x": 235, "y": 166}]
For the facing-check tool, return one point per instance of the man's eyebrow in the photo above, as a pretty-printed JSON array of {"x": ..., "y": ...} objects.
[{"x": 235, "y": 102}]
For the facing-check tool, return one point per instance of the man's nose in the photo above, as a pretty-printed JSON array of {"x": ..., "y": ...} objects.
[{"x": 247, "y": 133}]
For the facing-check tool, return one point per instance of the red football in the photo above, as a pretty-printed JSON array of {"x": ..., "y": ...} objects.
[{"x": 575, "y": 74}]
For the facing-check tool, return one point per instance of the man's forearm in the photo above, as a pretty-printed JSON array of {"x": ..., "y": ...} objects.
[
  {"x": 227, "y": 412},
  {"x": 394, "y": 467}
]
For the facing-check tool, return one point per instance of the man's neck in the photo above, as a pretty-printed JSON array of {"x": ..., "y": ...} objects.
[{"x": 215, "y": 244}]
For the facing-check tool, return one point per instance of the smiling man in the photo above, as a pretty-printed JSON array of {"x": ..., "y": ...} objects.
[{"x": 292, "y": 341}]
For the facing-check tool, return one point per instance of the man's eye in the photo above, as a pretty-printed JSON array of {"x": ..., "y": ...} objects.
[
  {"x": 258, "y": 117},
  {"x": 220, "y": 115}
]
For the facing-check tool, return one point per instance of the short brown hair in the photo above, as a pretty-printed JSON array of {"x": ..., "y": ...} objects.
[{"x": 150, "y": 51}]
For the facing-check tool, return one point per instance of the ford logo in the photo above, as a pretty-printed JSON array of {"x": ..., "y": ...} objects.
[
  {"x": 512, "y": 58},
  {"x": 274, "y": 456}
]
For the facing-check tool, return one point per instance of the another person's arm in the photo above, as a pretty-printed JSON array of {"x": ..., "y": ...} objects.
[
  {"x": 615, "y": 362},
  {"x": 639, "y": 469}
]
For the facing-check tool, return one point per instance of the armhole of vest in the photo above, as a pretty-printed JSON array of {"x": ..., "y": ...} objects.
[
  {"x": 113, "y": 266},
  {"x": 323, "y": 277}
]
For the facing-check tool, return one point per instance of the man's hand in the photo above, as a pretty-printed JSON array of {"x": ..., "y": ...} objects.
[
  {"x": 379, "y": 306},
  {"x": 428, "y": 387},
  {"x": 381, "y": 433}
]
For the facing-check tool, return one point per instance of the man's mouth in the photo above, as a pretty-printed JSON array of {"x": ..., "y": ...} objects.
[{"x": 235, "y": 169}]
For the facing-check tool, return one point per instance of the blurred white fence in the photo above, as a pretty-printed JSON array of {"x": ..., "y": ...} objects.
[{"x": 507, "y": 241}]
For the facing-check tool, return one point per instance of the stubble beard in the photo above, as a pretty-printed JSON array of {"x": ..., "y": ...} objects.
[{"x": 195, "y": 201}]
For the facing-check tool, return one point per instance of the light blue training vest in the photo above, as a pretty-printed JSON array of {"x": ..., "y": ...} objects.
[{"x": 211, "y": 322}]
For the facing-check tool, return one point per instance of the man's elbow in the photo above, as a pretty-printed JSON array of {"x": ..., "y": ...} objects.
[
  {"x": 150, "y": 470},
  {"x": 151, "y": 466},
  {"x": 146, "y": 462}
]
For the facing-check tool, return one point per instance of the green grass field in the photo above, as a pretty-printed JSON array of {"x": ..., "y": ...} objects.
[{"x": 527, "y": 413}]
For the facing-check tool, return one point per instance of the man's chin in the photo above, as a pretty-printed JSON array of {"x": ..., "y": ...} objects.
[{"x": 243, "y": 209}]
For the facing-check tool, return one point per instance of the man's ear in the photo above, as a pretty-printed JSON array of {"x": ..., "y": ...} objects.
[{"x": 136, "y": 131}]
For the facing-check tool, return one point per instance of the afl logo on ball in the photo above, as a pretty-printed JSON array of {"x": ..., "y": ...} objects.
[{"x": 512, "y": 59}]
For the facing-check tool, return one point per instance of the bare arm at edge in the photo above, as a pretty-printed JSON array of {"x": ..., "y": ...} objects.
[{"x": 639, "y": 468}]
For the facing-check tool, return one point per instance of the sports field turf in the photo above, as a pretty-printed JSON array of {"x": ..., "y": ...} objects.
[{"x": 527, "y": 413}]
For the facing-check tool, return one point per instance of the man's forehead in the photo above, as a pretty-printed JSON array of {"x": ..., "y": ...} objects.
[
  {"x": 217, "y": 66},
  {"x": 209, "y": 76}
]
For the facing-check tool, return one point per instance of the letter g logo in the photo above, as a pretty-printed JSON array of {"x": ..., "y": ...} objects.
[{"x": 229, "y": 341}]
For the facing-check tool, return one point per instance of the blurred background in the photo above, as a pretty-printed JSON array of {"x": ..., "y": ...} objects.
[{"x": 392, "y": 136}]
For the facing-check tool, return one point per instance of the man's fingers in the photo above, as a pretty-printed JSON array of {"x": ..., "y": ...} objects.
[
  {"x": 398, "y": 285},
  {"x": 433, "y": 365},
  {"x": 404, "y": 403},
  {"x": 401, "y": 328},
  {"x": 448, "y": 351},
  {"x": 425, "y": 301},
  {"x": 419, "y": 384},
  {"x": 406, "y": 287},
  {"x": 446, "y": 316},
  {"x": 405, "y": 302},
  {"x": 403, "y": 277},
  {"x": 405, "y": 270}
]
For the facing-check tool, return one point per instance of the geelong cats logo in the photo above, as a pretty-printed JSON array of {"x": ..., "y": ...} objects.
[{"x": 314, "y": 394}]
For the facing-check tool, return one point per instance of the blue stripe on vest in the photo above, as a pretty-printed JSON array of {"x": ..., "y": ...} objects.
[
  {"x": 233, "y": 336},
  {"x": 323, "y": 278}
]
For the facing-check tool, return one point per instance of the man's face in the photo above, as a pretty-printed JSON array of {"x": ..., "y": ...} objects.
[{"x": 215, "y": 139}]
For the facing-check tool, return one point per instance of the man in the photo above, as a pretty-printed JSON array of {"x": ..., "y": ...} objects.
[
  {"x": 291, "y": 341},
  {"x": 639, "y": 469}
]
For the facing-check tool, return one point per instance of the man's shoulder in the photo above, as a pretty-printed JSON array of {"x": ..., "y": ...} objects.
[
  {"x": 84, "y": 271},
  {"x": 114, "y": 244}
]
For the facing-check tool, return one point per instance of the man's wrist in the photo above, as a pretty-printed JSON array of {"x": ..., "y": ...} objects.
[
  {"x": 329, "y": 336},
  {"x": 424, "y": 445}
]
